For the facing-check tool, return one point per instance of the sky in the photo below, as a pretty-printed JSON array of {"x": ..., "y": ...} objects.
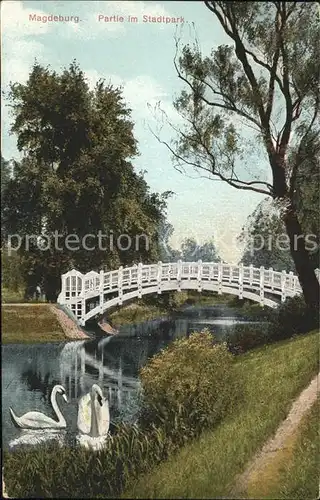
[{"x": 139, "y": 56}]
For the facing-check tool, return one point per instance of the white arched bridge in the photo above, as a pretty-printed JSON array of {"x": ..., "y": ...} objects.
[{"x": 88, "y": 295}]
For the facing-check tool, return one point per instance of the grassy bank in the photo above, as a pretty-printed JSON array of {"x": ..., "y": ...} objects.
[
  {"x": 207, "y": 468},
  {"x": 30, "y": 323}
]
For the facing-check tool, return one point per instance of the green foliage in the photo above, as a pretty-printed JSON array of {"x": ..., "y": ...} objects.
[
  {"x": 299, "y": 476},
  {"x": 5, "y": 174},
  {"x": 12, "y": 270},
  {"x": 292, "y": 318},
  {"x": 168, "y": 301},
  {"x": 245, "y": 338},
  {"x": 191, "y": 251},
  {"x": 188, "y": 386},
  {"x": 76, "y": 178},
  {"x": 306, "y": 192},
  {"x": 51, "y": 471},
  {"x": 263, "y": 238}
]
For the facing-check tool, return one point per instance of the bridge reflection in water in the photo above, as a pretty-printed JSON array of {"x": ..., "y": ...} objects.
[{"x": 80, "y": 368}]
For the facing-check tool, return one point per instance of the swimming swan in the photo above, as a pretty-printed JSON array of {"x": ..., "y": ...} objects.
[
  {"x": 37, "y": 420},
  {"x": 93, "y": 419}
]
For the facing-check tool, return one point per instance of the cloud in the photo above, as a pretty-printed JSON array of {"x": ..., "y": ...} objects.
[
  {"x": 19, "y": 50},
  {"x": 15, "y": 20},
  {"x": 18, "y": 59},
  {"x": 19, "y": 44},
  {"x": 143, "y": 94}
]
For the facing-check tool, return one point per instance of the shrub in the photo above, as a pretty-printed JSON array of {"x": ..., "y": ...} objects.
[
  {"x": 167, "y": 301},
  {"x": 247, "y": 337},
  {"x": 188, "y": 386},
  {"x": 291, "y": 318}
]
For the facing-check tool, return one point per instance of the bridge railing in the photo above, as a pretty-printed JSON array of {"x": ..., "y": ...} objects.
[
  {"x": 128, "y": 277},
  {"x": 77, "y": 288}
]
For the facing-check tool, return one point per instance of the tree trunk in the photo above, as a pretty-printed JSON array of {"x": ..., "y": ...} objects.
[{"x": 305, "y": 271}]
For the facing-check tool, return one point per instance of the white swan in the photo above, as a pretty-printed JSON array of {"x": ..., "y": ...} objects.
[
  {"x": 93, "y": 419},
  {"x": 37, "y": 420}
]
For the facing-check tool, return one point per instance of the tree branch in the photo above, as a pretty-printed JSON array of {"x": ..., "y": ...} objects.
[
  {"x": 232, "y": 108},
  {"x": 232, "y": 182},
  {"x": 286, "y": 87}
]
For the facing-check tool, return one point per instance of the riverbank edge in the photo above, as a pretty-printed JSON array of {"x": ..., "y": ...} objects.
[
  {"x": 70, "y": 327},
  {"x": 65, "y": 325},
  {"x": 132, "y": 313}
]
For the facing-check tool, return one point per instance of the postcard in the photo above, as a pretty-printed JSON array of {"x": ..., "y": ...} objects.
[{"x": 160, "y": 249}]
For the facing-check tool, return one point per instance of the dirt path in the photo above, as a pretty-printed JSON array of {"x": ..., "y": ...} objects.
[{"x": 266, "y": 462}]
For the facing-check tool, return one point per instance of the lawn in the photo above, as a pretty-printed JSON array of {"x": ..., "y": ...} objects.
[
  {"x": 30, "y": 323},
  {"x": 273, "y": 375}
]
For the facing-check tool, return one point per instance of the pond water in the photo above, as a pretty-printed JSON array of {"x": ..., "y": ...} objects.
[{"x": 30, "y": 371}]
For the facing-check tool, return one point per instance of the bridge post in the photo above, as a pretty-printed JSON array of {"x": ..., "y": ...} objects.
[
  {"x": 120, "y": 285},
  {"x": 159, "y": 276},
  {"x": 261, "y": 286},
  {"x": 271, "y": 279},
  {"x": 250, "y": 274},
  {"x": 296, "y": 285},
  {"x": 101, "y": 290},
  {"x": 62, "y": 295},
  {"x": 283, "y": 286},
  {"x": 199, "y": 275},
  {"x": 240, "y": 281},
  {"x": 82, "y": 320},
  {"x": 179, "y": 270},
  {"x": 220, "y": 278},
  {"x": 139, "y": 280},
  {"x": 230, "y": 273},
  {"x": 291, "y": 282}
]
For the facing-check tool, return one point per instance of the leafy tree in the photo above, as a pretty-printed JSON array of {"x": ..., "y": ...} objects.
[
  {"x": 306, "y": 197},
  {"x": 263, "y": 239},
  {"x": 12, "y": 276},
  {"x": 168, "y": 253},
  {"x": 76, "y": 178},
  {"x": 5, "y": 173},
  {"x": 191, "y": 251},
  {"x": 266, "y": 80}
]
